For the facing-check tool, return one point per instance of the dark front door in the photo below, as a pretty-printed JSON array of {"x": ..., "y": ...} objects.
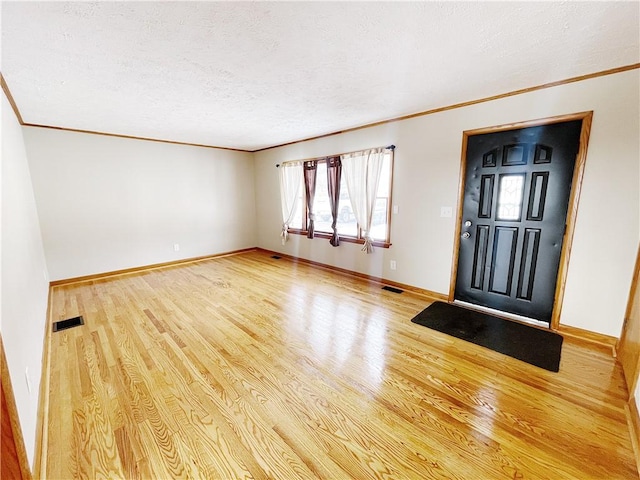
[{"x": 516, "y": 194}]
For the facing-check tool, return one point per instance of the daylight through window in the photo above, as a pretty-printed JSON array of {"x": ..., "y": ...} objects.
[{"x": 347, "y": 225}]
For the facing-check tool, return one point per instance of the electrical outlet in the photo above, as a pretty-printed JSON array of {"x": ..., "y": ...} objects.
[
  {"x": 392, "y": 265},
  {"x": 446, "y": 212},
  {"x": 176, "y": 247}
]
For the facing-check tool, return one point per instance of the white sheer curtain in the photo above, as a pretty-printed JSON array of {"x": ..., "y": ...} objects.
[
  {"x": 290, "y": 187},
  {"x": 362, "y": 175}
]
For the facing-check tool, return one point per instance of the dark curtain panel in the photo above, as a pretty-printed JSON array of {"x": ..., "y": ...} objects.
[
  {"x": 334, "y": 174},
  {"x": 310, "y": 190}
]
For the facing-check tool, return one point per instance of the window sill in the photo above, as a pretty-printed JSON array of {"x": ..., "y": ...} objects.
[{"x": 359, "y": 241}]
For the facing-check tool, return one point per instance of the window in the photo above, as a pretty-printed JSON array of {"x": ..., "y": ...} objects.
[
  {"x": 380, "y": 222},
  {"x": 346, "y": 224},
  {"x": 510, "y": 197},
  {"x": 348, "y": 227},
  {"x": 298, "y": 222}
]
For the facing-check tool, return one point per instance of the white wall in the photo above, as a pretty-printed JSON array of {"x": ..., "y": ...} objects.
[
  {"x": 110, "y": 203},
  {"x": 427, "y": 166},
  {"x": 25, "y": 282}
]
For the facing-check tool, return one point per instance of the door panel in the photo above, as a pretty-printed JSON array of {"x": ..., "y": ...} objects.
[
  {"x": 528, "y": 261},
  {"x": 502, "y": 258},
  {"x": 516, "y": 193}
]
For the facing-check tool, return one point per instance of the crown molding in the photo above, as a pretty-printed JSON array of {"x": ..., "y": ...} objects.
[
  {"x": 133, "y": 137},
  {"x": 12, "y": 102},
  {"x": 580, "y": 78},
  {"x": 521, "y": 91}
]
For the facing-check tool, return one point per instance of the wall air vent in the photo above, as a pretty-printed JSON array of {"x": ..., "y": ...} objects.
[{"x": 68, "y": 323}]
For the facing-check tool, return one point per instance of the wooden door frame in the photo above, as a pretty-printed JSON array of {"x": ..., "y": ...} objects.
[
  {"x": 629, "y": 356},
  {"x": 572, "y": 208},
  {"x": 631, "y": 380}
]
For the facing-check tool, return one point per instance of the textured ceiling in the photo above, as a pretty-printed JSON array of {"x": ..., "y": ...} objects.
[{"x": 252, "y": 75}]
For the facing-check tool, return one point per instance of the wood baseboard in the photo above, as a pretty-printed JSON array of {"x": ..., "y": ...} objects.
[
  {"x": 603, "y": 342},
  {"x": 633, "y": 419},
  {"x": 144, "y": 268},
  {"x": 42, "y": 426},
  {"x": 343, "y": 271},
  {"x": 599, "y": 341}
]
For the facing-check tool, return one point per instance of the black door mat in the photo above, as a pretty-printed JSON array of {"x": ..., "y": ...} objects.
[{"x": 532, "y": 345}]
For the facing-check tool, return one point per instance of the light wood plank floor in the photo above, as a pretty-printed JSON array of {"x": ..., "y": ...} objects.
[{"x": 250, "y": 367}]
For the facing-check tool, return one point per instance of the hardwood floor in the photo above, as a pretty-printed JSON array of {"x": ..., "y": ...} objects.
[{"x": 250, "y": 367}]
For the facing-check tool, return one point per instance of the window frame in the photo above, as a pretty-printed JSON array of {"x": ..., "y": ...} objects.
[{"x": 359, "y": 239}]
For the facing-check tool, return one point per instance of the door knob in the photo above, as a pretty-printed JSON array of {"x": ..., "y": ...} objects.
[
  {"x": 467, "y": 223},
  {"x": 466, "y": 235}
]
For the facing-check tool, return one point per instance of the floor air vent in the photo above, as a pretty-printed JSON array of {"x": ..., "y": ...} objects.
[
  {"x": 68, "y": 323},
  {"x": 392, "y": 289},
  {"x": 276, "y": 257}
]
